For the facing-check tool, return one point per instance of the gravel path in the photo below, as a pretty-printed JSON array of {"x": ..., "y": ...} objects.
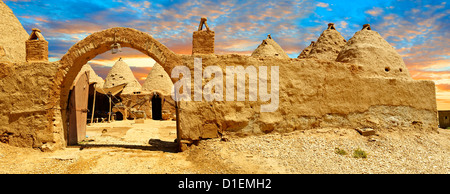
[
  {"x": 311, "y": 151},
  {"x": 314, "y": 151}
]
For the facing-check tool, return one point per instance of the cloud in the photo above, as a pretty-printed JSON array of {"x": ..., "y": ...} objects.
[
  {"x": 181, "y": 47},
  {"x": 324, "y": 5},
  {"x": 131, "y": 56},
  {"x": 375, "y": 11},
  {"x": 442, "y": 103},
  {"x": 141, "y": 73},
  {"x": 444, "y": 87},
  {"x": 320, "y": 4},
  {"x": 344, "y": 24},
  {"x": 75, "y": 27},
  {"x": 172, "y": 23},
  {"x": 239, "y": 45}
]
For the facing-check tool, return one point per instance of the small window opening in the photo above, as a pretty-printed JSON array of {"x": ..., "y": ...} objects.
[
  {"x": 387, "y": 69},
  {"x": 401, "y": 70}
]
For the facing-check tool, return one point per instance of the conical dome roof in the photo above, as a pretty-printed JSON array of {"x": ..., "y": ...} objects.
[
  {"x": 159, "y": 80},
  {"x": 368, "y": 49},
  {"x": 269, "y": 48},
  {"x": 12, "y": 36},
  {"x": 328, "y": 45},
  {"x": 93, "y": 77},
  {"x": 119, "y": 74},
  {"x": 306, "y": 51}
]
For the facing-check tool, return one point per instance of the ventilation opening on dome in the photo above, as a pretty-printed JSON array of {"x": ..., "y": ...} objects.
[
  {"x": 401, "y": 70},
  {"x": 331, "y": 26},
  {"x": 36, "y": 35},
  {"x": 387, "y": 69},
  {"x": 366, "y": 26}
]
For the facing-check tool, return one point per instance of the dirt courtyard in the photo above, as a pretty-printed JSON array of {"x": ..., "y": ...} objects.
[{"x": 126, "y": 147}]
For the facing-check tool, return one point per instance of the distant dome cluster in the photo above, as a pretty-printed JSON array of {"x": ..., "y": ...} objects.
[
  {"x": 121, "y": 73},
  {"x": 366, "y": 48},
  {"x": 128, "y": 97}
]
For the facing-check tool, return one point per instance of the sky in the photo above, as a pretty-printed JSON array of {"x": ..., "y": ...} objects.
[{"x": 418, "y": 30}]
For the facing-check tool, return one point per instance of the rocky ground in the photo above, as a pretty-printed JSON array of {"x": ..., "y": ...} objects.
[{"x": 126, "y": 147}]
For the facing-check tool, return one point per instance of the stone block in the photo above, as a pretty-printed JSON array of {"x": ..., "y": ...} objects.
[
  {"x": 209, "y": 131},
  {"x": 366, "y": 131},
  {"x": 36, "y": 50},
  {"x": 203, "y": 42}
]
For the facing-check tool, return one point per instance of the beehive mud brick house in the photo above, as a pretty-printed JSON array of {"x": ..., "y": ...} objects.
[{"x": 361, "y": 82}]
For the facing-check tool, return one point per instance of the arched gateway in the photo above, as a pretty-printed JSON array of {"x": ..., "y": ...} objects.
[{"x": 98, "y": 43}]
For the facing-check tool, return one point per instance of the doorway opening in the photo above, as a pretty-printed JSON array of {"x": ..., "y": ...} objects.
[
  {"x": 156, "y": 107},
  {"x": 118, "y": 116},
  {"x": 119, "y": 111},
  {"x": 116, "y": 41}
]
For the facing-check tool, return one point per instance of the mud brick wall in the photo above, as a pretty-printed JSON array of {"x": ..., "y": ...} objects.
[
  {"x": 310, "y": 97},
  {"x": 37, "y": 50},
  {"x": 24, "y": 105},
  {"x": 312, "y": 93},
  {"x": 203, "y": 42}
]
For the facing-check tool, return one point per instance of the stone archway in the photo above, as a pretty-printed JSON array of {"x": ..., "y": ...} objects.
[{"x": 93, "y": 45}]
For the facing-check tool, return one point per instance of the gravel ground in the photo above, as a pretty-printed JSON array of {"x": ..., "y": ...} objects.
[
  {"x": 314, "y": 151},
  {"x": 311, "y": 151}
]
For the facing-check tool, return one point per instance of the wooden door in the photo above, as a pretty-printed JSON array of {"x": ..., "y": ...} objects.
[
  {"x": 446, "y": 122},
  {"x": 78, "y": 102}
]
